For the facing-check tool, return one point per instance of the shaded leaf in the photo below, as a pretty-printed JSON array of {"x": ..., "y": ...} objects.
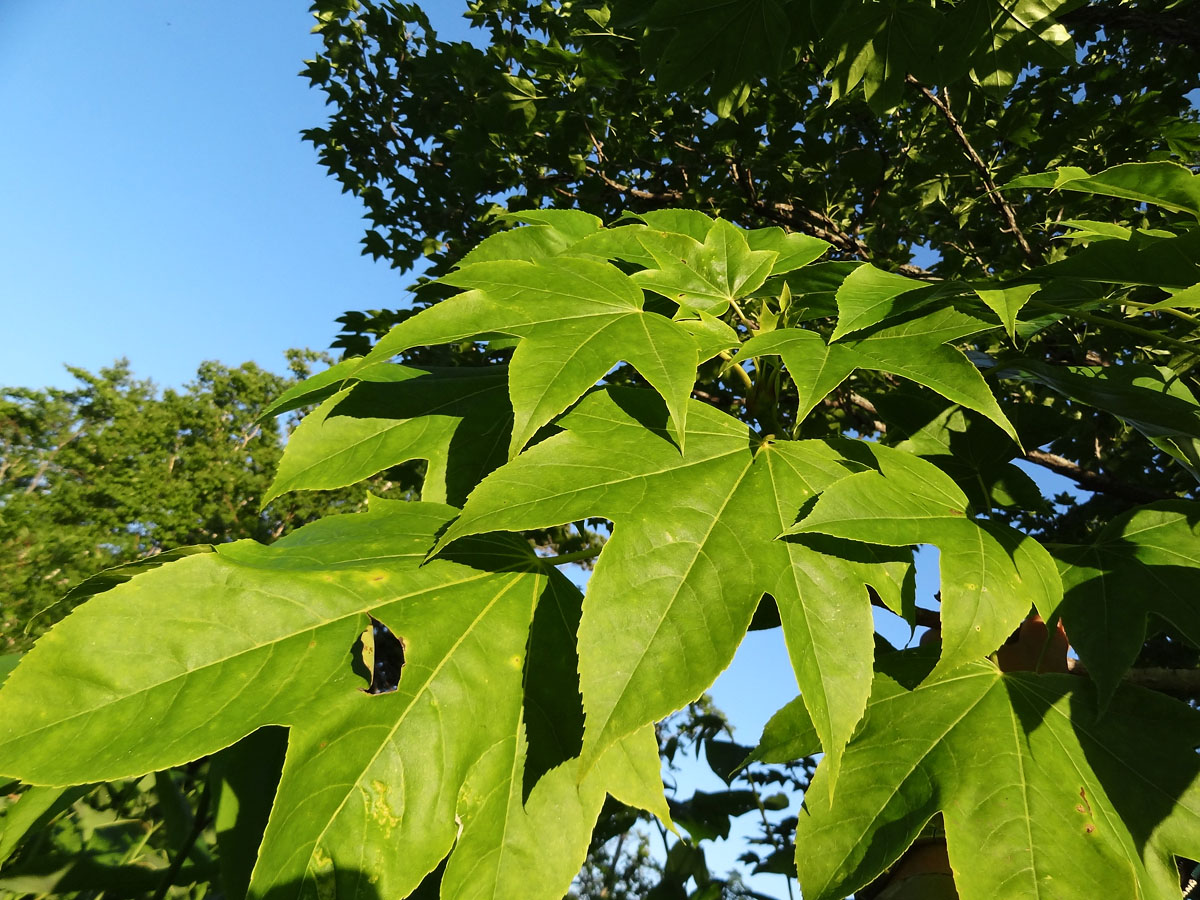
[
  {"x": 1145, "y": 562},
  {"x": 916, "y": 349},
  {"x": 1040, "y": 797}
]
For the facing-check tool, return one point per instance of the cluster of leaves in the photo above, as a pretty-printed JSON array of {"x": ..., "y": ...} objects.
[
  {"x": 523, "y": 703},
  {"x": 741, "y": 427},
  {"x": 614, "y": 107}
]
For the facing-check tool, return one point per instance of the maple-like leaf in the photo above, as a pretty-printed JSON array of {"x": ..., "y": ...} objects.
[
  {"x": 457, "y": 419},
  {"x": 190, "y": 657},
  {"x": 706, "y": 276},
  {"x": 1041, "y": 797},
  {"x": 577, "y": 318},
  {"x": 917, "y": 349},
  {"x": 1144, "y": 562},
  {"x": 991, "y": 574},
  {"x": 692, "y": 552}
]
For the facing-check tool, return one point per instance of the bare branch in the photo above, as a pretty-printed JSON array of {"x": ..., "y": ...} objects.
[{"x": 1010, "y": 217}]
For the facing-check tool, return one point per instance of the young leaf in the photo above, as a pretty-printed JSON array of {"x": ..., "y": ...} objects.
[
  {"x": 252, "y": 635},
  {"x": 1145, "y": 561},
  {"x": 991, "y": 575},
  {"x": 1041, "y": 798},
  {"x": 709, "y": 276},
  {"x": 1007, "y": 302},
  {"x": 577, "y": 318},
  {"x": 692, "y": 552},
  {"x": 458, "y": 419}
]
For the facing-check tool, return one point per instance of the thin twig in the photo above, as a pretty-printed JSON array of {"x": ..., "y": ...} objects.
[
  {"x": 1180, "y": 683},
  {"x": 199, "y": 823},
  {"x": 1005, "y": 208}
]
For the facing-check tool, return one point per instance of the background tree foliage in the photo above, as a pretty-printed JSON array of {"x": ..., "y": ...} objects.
[
  {"x": 927, "y": 194},
  {"x": 116, "y": 469}
]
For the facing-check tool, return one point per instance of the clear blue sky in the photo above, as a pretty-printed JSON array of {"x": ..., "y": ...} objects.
[{"x": 158, "y": 202}]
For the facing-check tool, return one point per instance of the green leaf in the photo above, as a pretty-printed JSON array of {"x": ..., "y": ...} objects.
[
  {"x": 795, "y": 250},
  {"x": 536, "y": 847},
  {"x": 693, "y": 550},
  {"x": 720, "y": 43},
  {"x": 788, "y": 735},
  {"x": 867, "y": 297},
  {"x": 550, "y": 232},
  {"x": 990, "y": 574},
  {"x": 914, "y": 349},
  {"x": 1144, "y": 562},
  {"x": 252, "y": 635},
  {"x": 1007, "y": 302},
  {"x": 709, "y": 276},
  {"x": 32, "y": 809},
  {"x": 1040, "y": 797},
  {"x": 1166, "y": 184},
  {"x": 965, "y": 448},
  {"x": 712, "y": 335},
  {"x": 1186, "y": 298},
  {"x": 1168, "y": 262},
  {"x": 577, "y": 319},
  {"x": 317, "y": 388},
  {"x": 689, "y": 222},
  {"x": 1152, "y": 399},
  {"x": 458, "y": 419},
  {"x": 244, "y": 778}
]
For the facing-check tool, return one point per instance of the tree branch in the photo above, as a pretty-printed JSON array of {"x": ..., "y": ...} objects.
[
  {"x": 1162, "y": 26},
  {"x": 993, "y": 193},
  {"x": 1181, "y": 683},
  {"x": 1094, "y": 481}
]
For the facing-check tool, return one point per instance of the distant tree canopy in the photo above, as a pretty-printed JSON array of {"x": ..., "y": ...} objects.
[{"x": 115, "y": 469}]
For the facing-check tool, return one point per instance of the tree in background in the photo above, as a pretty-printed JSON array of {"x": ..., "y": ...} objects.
[{"x": 114, "y": 470}]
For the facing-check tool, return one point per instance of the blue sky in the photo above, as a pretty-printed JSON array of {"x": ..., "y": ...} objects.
[{"x": 158, "y": 201}]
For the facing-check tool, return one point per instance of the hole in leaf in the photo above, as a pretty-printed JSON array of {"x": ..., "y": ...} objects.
[{"x": 382, "y": 657}]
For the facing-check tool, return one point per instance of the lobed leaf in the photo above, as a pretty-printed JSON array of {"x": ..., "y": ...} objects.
[
  {"x": 1166, "y": 184},
  {"x": 458, "y": 419},
  {"x": 706, "y": 276},
  {"x": 251, "y": 636},
  {"x": 577, "y": 318},
  {"x": 916, "y": 349},
  {"x": 692, "y": 553},
  {"x": 1041, "y": 798},
  {"x": 990, "y": 575},
  {"x": 1145, "y": 562}
]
